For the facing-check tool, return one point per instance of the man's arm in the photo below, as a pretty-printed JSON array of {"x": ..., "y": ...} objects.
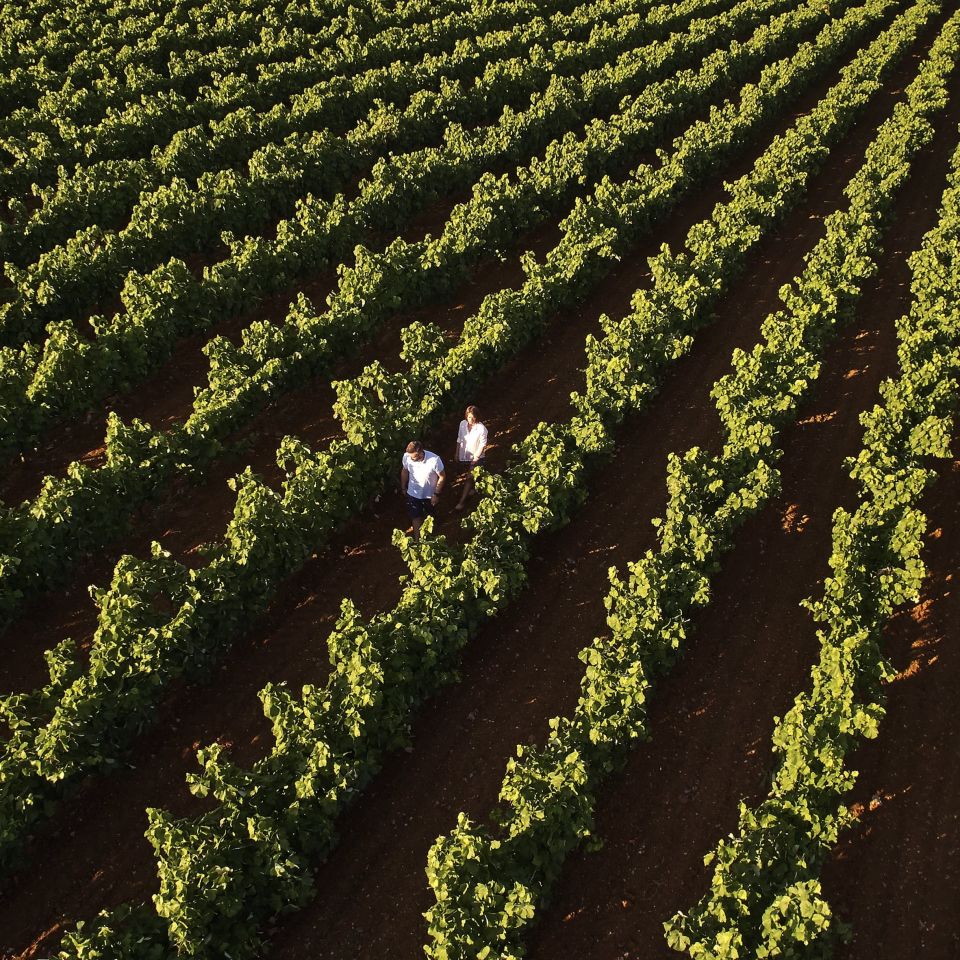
[
  {"x": 404, "y": 479},
  {"x": 441, "y": 480}
]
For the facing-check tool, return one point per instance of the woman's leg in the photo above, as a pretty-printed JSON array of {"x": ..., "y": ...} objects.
[
  {"x": 464, "y": 489},
  {"x": 467, "y": 488}
]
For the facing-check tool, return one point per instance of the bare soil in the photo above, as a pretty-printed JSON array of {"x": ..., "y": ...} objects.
[
  {"x": 712, "y": 716},
  {"x": 164, "y": 398},
  {"x": 894, "y": 877},
  {"x": 711, "y": 719}
]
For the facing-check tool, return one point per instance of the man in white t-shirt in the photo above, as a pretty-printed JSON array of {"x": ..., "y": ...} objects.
[{"x": 422, "y": 477}]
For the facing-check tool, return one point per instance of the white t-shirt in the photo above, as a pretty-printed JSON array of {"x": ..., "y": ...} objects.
[
  {"x": 423, "y": 474},
  {"x": 470, "y": 441}
]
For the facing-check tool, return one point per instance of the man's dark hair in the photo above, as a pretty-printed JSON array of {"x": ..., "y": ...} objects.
[{"x": 414, "y": 446}]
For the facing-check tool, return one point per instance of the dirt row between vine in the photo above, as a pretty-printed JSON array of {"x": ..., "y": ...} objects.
[
  {"x": 709, "y": 719},
  {"x": 92, "y": 855},
  {"x": 895, "y": 875},
  {"x": 754, "y": 646},
  {"x": 165, "y": 397},
  {"x": 189, "y": 514}
]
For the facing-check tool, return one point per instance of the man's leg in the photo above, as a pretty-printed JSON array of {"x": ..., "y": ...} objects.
[{"x": 414, "y": 514}]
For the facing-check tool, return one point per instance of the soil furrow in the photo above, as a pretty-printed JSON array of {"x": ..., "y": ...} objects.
[
  {"x": 521, "y": 669},
  {"x": 712, "y": 718},
  {"x": 895, "y": 876}
]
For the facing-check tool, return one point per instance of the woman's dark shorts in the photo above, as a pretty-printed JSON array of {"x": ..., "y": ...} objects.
[{"x": 419, "y": 509}]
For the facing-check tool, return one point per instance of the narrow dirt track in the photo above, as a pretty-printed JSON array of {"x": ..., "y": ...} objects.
[
  {"x": 895, "y": 876},
  {"x": 290, "y": 645},
  {"x": 522, "y": 669},
  {"x": 188, "y": 514},
  {"x": 165, "y": 397},
  {"x": 93, "y": 856},
  {"x": 711, "y": 719}
]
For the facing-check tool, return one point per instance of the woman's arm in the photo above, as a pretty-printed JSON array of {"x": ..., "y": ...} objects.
[{"x": 483, "y": 447}]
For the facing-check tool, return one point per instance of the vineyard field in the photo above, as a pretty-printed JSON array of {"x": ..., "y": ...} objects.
[{"x": 677, "y": 678}]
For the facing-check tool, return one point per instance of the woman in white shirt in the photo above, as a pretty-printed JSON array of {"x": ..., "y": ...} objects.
[{"x": 471, "y": 446}]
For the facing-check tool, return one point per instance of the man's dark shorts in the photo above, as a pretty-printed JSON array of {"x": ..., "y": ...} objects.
[{"x": 419, "y": 509}]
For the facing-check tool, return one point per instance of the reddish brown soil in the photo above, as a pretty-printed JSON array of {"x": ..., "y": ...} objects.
[
  {"x": 188, "y": 517},
  {"x": 165, "y": 397},
  {"x": 91, "y": 854},
  {"x": 895, "y": 875},
  {"x": 663, "y": 814},
  {"x": 712, "y": 718}
]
